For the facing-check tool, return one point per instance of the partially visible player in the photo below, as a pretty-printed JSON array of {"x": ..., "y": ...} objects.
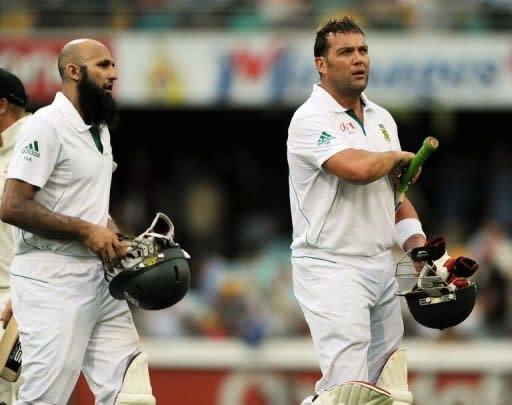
[
  {"x": 57, "y": 197},
  {"x": 344, "y": 160},
  {"x": 13, "y": 101}
]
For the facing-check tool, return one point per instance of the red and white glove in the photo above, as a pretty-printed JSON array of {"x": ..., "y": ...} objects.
[{"x": 455, "y": 272}]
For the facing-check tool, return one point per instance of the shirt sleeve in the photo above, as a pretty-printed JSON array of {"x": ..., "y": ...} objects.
[
  {"x": 316, "y": 139},
  {"x": 35, "y": 154}
]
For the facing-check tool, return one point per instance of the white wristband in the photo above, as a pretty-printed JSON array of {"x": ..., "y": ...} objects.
[{"x": 406, "y": 228}]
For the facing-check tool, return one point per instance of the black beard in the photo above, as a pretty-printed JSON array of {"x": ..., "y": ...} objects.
[{"x": 98, "y": 106}]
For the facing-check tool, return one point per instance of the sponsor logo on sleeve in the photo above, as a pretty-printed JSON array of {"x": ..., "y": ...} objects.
[
  {"x": 31, "y": 150},
  {"x": 325, "y": 139}
]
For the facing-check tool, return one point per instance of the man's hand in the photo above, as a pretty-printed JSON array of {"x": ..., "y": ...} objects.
[
  {"x": 6, "y": 314},
  {"x": 397, "y": 172},
  {"x": 106, "y": 244},
  {"x": 413, "y": 242}
]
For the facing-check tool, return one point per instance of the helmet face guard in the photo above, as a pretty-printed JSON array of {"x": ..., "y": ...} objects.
[{"x": 432, "y": 301}]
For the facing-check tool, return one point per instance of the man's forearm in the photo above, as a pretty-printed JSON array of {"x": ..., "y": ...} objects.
[{"x": 36, "y": 218}]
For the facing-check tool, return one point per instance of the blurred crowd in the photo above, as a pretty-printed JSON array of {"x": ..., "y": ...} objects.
[{"x": 466, "y": 15}]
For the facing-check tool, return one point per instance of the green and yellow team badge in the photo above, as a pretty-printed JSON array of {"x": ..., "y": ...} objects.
[
  {"x": 150, "y": 261},
  {"x": 385, "y": 133}
]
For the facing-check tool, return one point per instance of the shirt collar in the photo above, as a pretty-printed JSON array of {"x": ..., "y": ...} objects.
[{"x": 70, "y": 113}]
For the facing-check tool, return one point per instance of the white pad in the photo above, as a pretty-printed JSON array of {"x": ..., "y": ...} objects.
[
  {"x": 354, "y": 393},
  {"x": 136, "y": 389},
  {"x": 393, "y": 378},
  {"x": 6, "y": 394}
]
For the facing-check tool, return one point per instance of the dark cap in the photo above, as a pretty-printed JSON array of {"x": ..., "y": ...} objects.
[{"x": 12, "y": 88}]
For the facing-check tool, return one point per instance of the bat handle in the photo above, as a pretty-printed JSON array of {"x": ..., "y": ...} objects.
[{"x": 429, "y": 145}]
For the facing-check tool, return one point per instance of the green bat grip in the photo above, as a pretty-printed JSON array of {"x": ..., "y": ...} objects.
[{"x": 429, "y": 145}]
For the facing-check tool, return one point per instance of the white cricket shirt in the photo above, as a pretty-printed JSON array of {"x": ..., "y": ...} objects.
[
  {"x": 330, "y": 216},
  {"x": 56, "y": 152},
  {"x": 6, "y": 238}
]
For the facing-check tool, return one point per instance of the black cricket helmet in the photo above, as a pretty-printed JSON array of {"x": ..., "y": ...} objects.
[
  {"x": 162, "y": 282},
  {"x": 155, "y": 273},
  {"x": 431, "y": 300}
]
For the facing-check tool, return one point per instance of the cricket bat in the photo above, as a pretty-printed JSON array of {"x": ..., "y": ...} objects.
[
  {"x": 10, "y": 352},
  {"x": 429, "y": 145}
]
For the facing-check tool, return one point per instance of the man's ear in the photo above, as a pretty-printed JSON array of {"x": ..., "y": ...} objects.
[
  {"x": 73, "y": 71},
  {"x": 320, "y": 64},
  {"x": 4, "y": 105}
]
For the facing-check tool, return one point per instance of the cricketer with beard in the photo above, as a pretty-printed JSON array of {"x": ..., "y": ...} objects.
[{"x": 57, "y": 197}]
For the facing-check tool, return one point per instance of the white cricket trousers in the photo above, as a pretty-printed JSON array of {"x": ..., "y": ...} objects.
[
  {"x": 353, "y": 314},
  {"x": 69, "y": 322}
]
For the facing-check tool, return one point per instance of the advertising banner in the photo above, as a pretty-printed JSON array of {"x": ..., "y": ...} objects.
[
  {"x": 34, "y": 60},
  {"x": 262, "y": 70},
  {"x": 266, "y": 69}
]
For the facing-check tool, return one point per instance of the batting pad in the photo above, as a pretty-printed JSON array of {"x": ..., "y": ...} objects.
[
  {"x": 354, "y": 393},
  {"x": 136, "y": 389},
  {"x": 393, "y": 378}
]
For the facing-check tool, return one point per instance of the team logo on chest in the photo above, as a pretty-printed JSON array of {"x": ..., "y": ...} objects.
[{"x": 385, "y": 133}]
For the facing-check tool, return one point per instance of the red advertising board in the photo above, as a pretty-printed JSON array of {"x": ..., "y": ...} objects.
[
  {"x": 209, "y": 372},
  {"x": 34, "y": 60},
  {"x": 220, "y": 387},
  {"x": 238, "y": 387}
]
